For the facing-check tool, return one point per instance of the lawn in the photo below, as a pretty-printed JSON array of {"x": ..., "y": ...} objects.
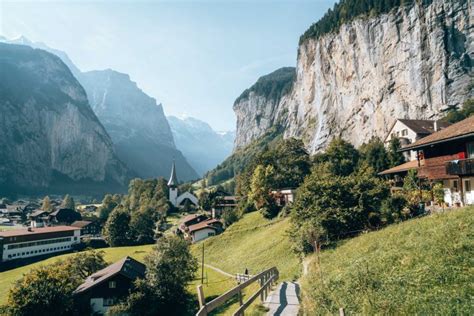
[
  {"x": 8, "y": 278},
  {"x": 423, "y": 266},
  {"x": 254, "y": 243}
]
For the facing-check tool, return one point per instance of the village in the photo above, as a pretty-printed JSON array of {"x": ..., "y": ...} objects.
[{"x": 441, "y": 154}]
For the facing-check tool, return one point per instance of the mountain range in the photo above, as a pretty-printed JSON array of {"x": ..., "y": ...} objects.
[{"x": 136, "y": 126}]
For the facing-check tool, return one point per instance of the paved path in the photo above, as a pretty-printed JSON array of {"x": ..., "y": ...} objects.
[{"x": 284, "y": 300}]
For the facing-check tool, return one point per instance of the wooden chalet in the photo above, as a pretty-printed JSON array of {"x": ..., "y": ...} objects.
[
  {"x": 107, "y": 287},
  {"x": 447, "y": 156}
]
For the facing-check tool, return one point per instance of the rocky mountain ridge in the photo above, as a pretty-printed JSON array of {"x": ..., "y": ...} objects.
[
  {"x": 414, "y": 62},
  {"x": 136, "y": 123},
  {"x": 51, "y": 137}
]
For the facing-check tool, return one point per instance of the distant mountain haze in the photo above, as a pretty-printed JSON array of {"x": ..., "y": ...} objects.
[
  {"x": 204, "y": 147},
  {"x": 51, "y": 139},
  {"x": 136, "y": 123}
]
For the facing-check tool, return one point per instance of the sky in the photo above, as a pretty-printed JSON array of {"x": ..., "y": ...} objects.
[{"x": 194, "y": 57}]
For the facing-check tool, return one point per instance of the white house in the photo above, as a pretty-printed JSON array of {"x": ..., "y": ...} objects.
[
  {"x": 409, "y": 131},
  {"x": 174, "y": 197},
  {"x": 32, "y": 242}
]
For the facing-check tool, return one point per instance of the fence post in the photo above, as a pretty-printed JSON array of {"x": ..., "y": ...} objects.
[
  {"x": 261, "y": 293},
  {"x": 241, "y": 302},
  {"x": 341, "y": 311},
  {"x": 201, "y": 298}
]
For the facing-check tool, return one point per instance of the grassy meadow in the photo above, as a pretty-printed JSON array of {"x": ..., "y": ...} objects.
[{"x": 423, "y": 266}]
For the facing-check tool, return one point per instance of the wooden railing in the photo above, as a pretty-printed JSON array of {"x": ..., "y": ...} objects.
[
  {"x": 266, "y": 279},
  {"x": 460, "y": 167}
]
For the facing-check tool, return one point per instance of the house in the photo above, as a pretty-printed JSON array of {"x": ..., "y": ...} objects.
[
  {"x": 409, "y": 131},
  {"x": 222, "y": 203},
  {"x": 203, "y": 230},
  {"x": 64, "y": 216},
  {"x": 198, "y": 227},
  {"x": 447, "y": 156},
  {"x": 39, "y": 218},
  {"x": 398, "y": 173},
  {"x": 31, "y": 242},
  {"x": 108, "y": 286},
  {"x": 175, "y": 198},
  {"x": 284, "y": 196},
  {"x": 88, "y": 228},
  {"x": 191, "y": 220}
]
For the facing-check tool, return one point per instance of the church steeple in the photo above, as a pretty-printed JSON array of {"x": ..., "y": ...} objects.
[{"x": 173, "y": 181}]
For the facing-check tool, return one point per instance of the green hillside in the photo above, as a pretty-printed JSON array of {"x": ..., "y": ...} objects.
[
  {"x": 254, "y": 243},
  {"x": 423, "y": 266}
]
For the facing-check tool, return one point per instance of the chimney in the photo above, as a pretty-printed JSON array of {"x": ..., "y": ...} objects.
[
  {"x": 435, "y": 125},
  {"x": 30, "y": 229}
]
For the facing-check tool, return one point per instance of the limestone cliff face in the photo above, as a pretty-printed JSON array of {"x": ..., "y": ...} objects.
[
  {"x": 259, "y": 107},
  {"x": 49, "y": 135},
  {"x": 414, "y": 62}
]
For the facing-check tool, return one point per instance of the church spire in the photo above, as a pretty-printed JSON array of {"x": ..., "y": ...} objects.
[{"x": 173, "y": 181}]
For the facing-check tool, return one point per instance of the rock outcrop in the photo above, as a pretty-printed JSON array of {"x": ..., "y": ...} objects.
[
  {"x": 49, "y": 135},
  {"x": 136, "y": 123},
  {"x": 414, "y": 62}
]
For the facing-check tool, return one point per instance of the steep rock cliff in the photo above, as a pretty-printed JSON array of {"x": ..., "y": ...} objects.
[
  {"x": 49, "y": 135},
  {"x": 136, "y": 124},
  {"x": 259, "y": 108},
  {"x": 414, "y": 62}
]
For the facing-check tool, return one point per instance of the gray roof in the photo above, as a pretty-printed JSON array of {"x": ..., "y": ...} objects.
[
  {"x": 173, "y": 181},
  {"x": 424, "y": 127}
]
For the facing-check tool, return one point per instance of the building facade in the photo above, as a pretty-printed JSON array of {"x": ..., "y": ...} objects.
[
  {"x": 32, "y": 242},
  {"x": 447, "y": 156}
]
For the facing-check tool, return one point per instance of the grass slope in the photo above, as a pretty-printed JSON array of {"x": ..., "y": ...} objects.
[
  {"x": 8, "y": 278},
  {"x": 423, "y": 266},
  {"x": 254, "y": 243}
]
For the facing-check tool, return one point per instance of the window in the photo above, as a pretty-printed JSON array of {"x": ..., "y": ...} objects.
[
  {"x": 404, "y": 132},
  {"x": 455, "y": 185},
  {"x": 108, "y": 301},
  {"x": 470, "y": 150},
  {"x": 467, "y": 184},
  {"x": 112, "y": 284}
]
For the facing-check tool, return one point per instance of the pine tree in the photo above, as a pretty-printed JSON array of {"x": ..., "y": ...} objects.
[
  {"x": 47, "y": 204},
  {"x": 68, "y": 202}
]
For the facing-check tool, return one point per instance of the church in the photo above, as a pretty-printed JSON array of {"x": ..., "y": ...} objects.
[{"x": 174, "y": 197}]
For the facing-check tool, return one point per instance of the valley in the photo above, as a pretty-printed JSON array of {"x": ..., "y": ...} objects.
[{"x": 347, "y": 186}]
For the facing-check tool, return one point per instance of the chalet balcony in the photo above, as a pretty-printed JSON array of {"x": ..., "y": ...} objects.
[{"x": 460, "y": 167}]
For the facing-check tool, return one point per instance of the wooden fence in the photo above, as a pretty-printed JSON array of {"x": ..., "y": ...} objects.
[{"x": 266, "y": 279}]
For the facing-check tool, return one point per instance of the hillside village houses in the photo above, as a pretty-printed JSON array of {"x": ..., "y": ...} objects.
[{"x": 445, "y": 156}]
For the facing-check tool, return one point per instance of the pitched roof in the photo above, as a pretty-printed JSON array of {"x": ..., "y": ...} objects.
[
  {"x": 127, "y": 266},
  {"x": 464, "y": 128},
  {"x": 36, "y": 231},
  {"x": 204, "y": 224},
  {"x": 38, "y": 213},
  {"x": 424, "y": 126},
  {"x": 81, "y": 224},
  {"x": 173, "y": 181},
  {"x": 410, "y": 165},
  {"x": 191, "y": 217}
]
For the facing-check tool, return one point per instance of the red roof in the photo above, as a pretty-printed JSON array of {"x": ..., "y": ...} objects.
[
  {"x": 36, "y": 231},
  {"x": 204, "y": 224}
]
